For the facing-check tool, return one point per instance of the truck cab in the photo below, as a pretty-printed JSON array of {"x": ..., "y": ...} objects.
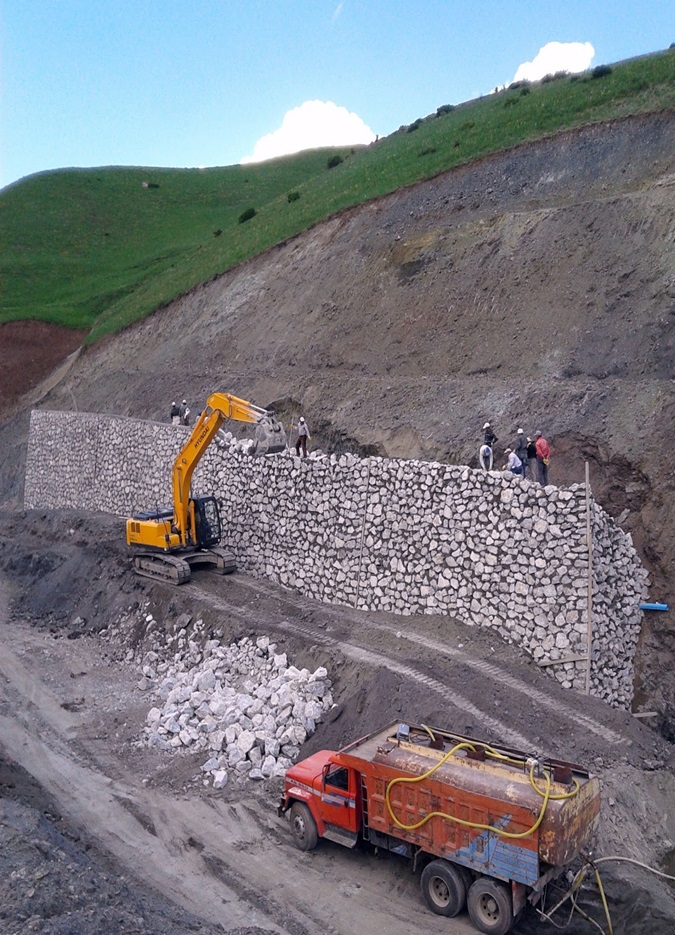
[{"x": 323, "y": 791}]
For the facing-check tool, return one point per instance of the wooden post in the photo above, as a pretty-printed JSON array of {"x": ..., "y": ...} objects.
[{"x": 589, "y": 609}]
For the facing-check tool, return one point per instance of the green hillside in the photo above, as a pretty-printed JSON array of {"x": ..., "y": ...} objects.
[{"x": 101, "y": 248}]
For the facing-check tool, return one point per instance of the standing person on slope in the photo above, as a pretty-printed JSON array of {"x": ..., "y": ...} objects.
[
  {"x": 521, "y": 450},
  {"x": 543, "y": 456},
  {"x": 303, "y": 435}
]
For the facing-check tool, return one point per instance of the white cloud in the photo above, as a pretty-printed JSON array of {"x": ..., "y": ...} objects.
[
  {"x": 338, "y": 10},
  {"x": 312, "y": 125},
  {"x": 556, "y": 56}
]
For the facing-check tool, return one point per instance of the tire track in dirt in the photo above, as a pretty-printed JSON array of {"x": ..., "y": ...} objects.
[
  {"x": 142, "y": 829},
  {"x": 504, "y": 678},
  {"x": 374, "y": 659},
  {"x": 358, "y": 653}
]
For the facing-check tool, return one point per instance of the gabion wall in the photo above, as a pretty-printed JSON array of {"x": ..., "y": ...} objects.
[{"x": 410, "y": 537}]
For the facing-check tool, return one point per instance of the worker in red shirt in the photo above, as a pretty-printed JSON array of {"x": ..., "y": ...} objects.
[{"x": 543, "y": 450}]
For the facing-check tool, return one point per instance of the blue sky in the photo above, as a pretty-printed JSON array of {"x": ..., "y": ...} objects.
[{"x": 202, "y": 82}]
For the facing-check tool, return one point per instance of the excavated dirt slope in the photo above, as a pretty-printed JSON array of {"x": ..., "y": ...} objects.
[{"x": 533, "y": 289}]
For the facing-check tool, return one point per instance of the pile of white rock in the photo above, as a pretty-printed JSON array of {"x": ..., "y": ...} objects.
[{"x": 242, "y": 704}]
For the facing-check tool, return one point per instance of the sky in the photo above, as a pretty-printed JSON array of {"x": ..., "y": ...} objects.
[{"x": 187, "y": 83}]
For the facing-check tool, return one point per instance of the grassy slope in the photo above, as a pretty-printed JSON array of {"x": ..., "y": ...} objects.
[{"x": 94, "y": 248}]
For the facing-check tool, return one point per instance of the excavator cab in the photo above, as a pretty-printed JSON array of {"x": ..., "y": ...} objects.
[{"x": 206, "y": 521}]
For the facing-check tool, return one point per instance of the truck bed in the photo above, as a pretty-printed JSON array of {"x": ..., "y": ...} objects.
[{"x": 479, "y": 806}]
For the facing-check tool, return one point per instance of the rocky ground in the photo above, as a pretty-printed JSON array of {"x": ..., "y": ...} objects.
[
  {"x": 533, "y": 289},
  {"x": 104, "y": 832}
]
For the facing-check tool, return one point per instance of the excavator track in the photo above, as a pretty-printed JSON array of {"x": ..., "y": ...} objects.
[
  {"x": 225, "y": 562},
  {"x": 162, "y": 567},
  {"x": 177, "y": 569}
]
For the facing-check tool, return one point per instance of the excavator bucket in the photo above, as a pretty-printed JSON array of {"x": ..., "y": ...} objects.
[{"x": 270, "y": 436}]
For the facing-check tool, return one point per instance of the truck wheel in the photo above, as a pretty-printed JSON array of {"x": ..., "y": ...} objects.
[
  {"x": 490, "y": 907},
  {"x": 443, "y": 888},
  {"x": 303, "y": 827}
]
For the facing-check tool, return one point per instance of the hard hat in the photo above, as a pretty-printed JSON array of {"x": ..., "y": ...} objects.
[
  {"x": 173, "y": 403},
  {"x": 302, "y": 418},
  {"x": 520, "y": 432},
  {"x": 537, "y": 433},
  {"x": 507, "y": 451},
  {"x": 487, "y": 425},
  {"x": 184, "y": 402}
]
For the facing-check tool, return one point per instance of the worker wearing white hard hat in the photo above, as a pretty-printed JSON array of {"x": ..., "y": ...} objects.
[{"x": 303, "y": 435}]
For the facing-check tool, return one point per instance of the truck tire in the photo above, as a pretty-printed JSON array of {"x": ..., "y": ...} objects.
[
  {"x": 303, "y": 827},
  {"x": 490, "y": 906},
  {"x": 443, "y": 888}
]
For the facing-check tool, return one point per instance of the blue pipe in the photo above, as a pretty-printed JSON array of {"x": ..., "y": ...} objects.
[{"x": 654, "y": 607}]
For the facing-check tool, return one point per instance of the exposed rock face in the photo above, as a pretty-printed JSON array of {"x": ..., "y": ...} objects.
[{"x": 411, "y": 536}]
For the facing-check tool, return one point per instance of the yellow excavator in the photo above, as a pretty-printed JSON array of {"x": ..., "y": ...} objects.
[{"x": 167, "y": 542}]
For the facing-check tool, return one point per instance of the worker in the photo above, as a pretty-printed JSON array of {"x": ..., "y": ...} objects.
[
  {"x": 174, "y": 414},
  {"x": 485, "y": 457},
  {"x": 543, "y": 457},
  {"x": 531, "y": 457},
  {"x": 490, "y": 437},
  {"x": 513, "y": 462},
  {"x": 184, "y": 413},
  {"x": 303, "y": 435},
  {"x": 521, "y": 449}
]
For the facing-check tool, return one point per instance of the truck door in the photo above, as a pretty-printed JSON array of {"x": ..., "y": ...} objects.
[{"x": 338, "y": 797}]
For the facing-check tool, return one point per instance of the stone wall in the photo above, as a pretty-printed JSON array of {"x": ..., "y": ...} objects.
[{"x": 411, "y": 537}]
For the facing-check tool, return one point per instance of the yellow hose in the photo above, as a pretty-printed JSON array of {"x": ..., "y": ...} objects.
[{"x": 460, "y": 821}]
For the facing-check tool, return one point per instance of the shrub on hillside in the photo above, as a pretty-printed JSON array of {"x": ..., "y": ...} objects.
[
  {"x": 427, "y": 150},
  {"x": 334, "y": 161},
  {"x": 293, "y": 196},
  {"x": 247, "y": 215},
  {"x": 600, "y": 71},
  {"x": 415, "y": 125},
  {"x": 444, "y": 109},
  {"x": 555, "y": 77}
]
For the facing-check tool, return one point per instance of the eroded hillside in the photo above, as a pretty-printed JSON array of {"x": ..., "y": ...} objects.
[{"x": 533, "y": 289}]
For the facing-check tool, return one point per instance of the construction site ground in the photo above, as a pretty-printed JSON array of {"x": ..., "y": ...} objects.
[{"x": 101, "y": 834}]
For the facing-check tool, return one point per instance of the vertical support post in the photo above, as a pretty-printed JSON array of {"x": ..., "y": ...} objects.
[
  {"x": 589, "y": 608},
  {"x": 363, "y": 536}
]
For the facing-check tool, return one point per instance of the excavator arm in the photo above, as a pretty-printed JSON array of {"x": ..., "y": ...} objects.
[{"x": 270, "y": 438}]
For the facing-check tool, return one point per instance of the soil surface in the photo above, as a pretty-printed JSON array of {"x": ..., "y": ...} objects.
[
  {"x": 533, "y": 289},
  {"x": 101, "y": 833}
]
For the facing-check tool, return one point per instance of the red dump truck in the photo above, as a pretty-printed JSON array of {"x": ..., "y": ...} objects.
[{"x": 488, "y": 825}]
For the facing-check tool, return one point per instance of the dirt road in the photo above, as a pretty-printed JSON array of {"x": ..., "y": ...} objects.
[{"x": 193, "y": 859}]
